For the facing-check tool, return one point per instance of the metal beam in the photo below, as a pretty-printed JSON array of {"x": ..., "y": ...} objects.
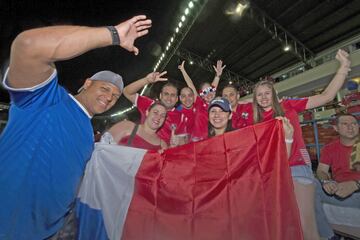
[{"x": 283, "y": 36}]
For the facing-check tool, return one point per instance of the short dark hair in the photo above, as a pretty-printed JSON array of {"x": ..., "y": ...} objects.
[
  {"x": 230, "y": 86},
  {"x": 186, "y": 88},
  {"x": 169, "y": 84},
  {"x": 342, "y": 114}
]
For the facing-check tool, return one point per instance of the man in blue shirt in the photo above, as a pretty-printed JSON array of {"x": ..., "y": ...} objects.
[{"x": 49, "y": 138}]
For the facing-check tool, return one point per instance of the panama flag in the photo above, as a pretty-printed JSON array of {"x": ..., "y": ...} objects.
[{"x": 234, "y": 186}]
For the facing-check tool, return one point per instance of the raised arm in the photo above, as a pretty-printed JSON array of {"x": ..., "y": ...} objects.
[
  {"x": 218, "y": 72},
  {"x": 187, "y": 78},
  {"x": 121, "y": 129},
  {"x": 131, "y": 89},
  {"x": 34, "y": 52},
  {"x": 336, "y": 83}
]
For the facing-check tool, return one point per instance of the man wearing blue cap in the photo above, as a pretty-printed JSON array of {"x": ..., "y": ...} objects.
[{"x": 49, "y": 138}]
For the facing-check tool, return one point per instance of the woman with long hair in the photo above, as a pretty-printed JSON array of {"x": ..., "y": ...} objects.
[
  {"x": 266, "y": 105},
  {"x": 220, "y": 115},
  {"x": 144, "y": 135}
]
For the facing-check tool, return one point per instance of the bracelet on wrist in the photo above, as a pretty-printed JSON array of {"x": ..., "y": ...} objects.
[
  {"x": 114, "y": 35},
  {"x": 289, "y": 140}
]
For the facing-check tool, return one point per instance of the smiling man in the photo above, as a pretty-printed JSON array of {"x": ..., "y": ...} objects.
[
  {"x": 240, "y": 110},
  {"x": 186, "y": 98},
  {"x": 187, "y": 107},
  {"x": 49, "y": 138},
  {"x": 100, "y": 92}
]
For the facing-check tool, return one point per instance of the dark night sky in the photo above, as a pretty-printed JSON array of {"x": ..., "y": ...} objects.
[{"x": 16, "y": 16}]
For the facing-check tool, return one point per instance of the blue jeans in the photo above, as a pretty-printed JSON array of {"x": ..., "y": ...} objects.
[
  {"x": 302, "y": 174},
  {"x": 324, "y": 227}
]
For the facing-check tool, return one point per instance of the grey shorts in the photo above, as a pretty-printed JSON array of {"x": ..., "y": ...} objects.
[{"x": 302, "y": 174}]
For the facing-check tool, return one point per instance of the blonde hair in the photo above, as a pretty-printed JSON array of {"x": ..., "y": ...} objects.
[{"x": 258, "y": 110}]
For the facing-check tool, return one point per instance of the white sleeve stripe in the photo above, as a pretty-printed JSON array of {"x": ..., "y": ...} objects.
[{"x": 30, "y": 89}]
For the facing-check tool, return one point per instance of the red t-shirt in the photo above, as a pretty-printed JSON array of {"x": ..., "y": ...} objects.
[
  {"x": 242, "y": 116},
  {"x": 173, "y": 117},
  {"x": 201, "y": 120},
  {"x": 291, "y": 107},
  {"x": 337, "y": 156},
  {"x": 189, "y": 114}
]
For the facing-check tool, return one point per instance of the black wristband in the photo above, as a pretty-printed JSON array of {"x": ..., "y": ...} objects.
[{"x": 114, "y": 35}]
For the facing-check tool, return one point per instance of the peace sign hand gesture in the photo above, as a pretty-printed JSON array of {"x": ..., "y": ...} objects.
[{"x": 156, "y": 77}]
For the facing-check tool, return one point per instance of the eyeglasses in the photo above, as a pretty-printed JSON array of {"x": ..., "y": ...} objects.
[{"x": 207, "y": 90}]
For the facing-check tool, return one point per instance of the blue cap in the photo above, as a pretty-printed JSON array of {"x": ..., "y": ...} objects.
[{"x": 222, "y": 103}]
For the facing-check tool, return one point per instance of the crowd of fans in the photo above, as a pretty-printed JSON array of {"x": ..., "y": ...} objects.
[{"x": 36, "y": 199}]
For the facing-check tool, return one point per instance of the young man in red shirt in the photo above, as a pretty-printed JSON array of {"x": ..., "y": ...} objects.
[
  {"x": 187, "y": 98},
  {"x": 241, "y": 111}
]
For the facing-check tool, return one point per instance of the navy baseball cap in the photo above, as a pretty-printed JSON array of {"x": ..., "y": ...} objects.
[{"x": 222, "y": 103}]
